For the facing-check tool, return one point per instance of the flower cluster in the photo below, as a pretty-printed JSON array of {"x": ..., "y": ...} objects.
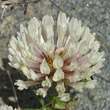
[{"x": 71, "y": 61}]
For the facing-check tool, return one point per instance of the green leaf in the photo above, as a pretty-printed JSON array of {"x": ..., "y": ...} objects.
[{"x": 85, "y": 80}]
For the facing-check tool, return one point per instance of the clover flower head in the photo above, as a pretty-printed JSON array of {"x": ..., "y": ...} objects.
[{"x": 71, "y": 61}]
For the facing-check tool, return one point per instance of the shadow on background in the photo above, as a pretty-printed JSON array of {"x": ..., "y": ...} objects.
[{"x": 27, "y": 98}]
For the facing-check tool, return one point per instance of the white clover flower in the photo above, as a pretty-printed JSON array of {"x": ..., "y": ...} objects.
[
  {"x": 6, "y": 107},
  {"x": 72, "y": 61}
]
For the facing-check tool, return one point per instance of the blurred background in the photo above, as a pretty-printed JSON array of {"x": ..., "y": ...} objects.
[{"x": 94, "y": 13}]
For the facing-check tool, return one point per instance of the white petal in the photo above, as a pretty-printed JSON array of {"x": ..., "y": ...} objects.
[
  {"x": 83, "y": 48},
  {"x": 58, "y": 75},
  {"x": 41, "y": 92},
  {"x": 44, "y": 68},
  {"x": 23, "y": 29},
  {"x": 72, "y": 48},
  {"x": 21, "y": 84},
  {"x": 96, "y": 46},
  {"x": 61, "y": 27},
  {"x": 11, "y": 51},
  {"x": 6, "y": 107},
  {"x": 79, "y": 86},
  {"x": 95, "y": 57},
  {"x": 62, "y": 21},
  {"x": 91, "y": 84},
  {"x": 60, "y": 87},
  {"x": 25, "y": 84},
  {"x": 47, "y": 27},
  {"x": 10, "y": 57},
  {"x": 46, "y": 82},
  {"x": 85, "y": 65},
  {"x": 59, "y": 50},
  {"x": 49, "y": 46},
  {"x": 16, "y": 65},
  {"x": 64, "y": 97},
  {"x": 58, "y": 62},
  {"x": 97, "y": 67},
  {"x": 73, "y": 65},
  {"x": 33, "y": 75},
  {"x": 75, "y": 29},
  {"x": 34, "y": 29},
  {"x": 25, "y": 71},
  {"x": 76, "y": 77}
]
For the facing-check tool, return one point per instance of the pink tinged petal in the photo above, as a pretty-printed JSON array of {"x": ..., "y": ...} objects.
[
  {"x": 86, "y": 64},
  {"x": 44, "y": 68},
  {"x": 36, "y": 62},
  {"x": 81, "y": 60},
  {"x": 67, "y": 76},
  {"x": 72, "y": 66},
  {"x": 58, "y": 75},
  {"x": 68, "y": 58},
  {"x": 34, "y": 65},
  {"x": 77, "y": 50},
  {"x": 37, "y": 51},
  {"x": 44, "y": 53},
  {"x": 58, "y": 62}
]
